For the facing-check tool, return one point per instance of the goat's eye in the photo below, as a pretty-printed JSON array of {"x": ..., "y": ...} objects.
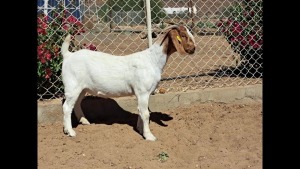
[{"x": 183, "y": 35}]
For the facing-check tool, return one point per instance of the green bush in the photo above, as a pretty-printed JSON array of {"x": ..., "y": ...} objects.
[
  {"x": 243, "y": 30},
  {"x": 207, "y": 24}
]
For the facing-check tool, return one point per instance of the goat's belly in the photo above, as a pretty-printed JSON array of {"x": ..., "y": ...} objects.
[
  {"x": 110, "y": 91},
  {"x": 110, "y": 95}
]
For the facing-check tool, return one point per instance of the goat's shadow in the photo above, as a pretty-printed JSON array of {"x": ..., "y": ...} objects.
[{"x": 107, "y": 111}]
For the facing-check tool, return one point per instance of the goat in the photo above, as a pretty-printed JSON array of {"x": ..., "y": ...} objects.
[{"x": 107, "y": 76}]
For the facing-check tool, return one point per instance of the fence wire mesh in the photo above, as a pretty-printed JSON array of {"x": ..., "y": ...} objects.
[{"x": 228, "y": 35}]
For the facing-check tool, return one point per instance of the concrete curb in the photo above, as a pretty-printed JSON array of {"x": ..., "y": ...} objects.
[{"x": 51, "y": 111}]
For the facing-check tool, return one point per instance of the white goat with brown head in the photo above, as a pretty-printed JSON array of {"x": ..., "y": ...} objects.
[{"x": 106, "y": 75}]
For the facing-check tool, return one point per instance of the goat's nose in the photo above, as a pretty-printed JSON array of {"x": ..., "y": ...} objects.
[{"x": 192, "y": 50}]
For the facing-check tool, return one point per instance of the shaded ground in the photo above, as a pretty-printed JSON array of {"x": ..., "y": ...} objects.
[{"x": 207, "y": 135}]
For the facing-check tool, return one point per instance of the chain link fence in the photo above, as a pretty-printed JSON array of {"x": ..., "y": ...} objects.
[{"x": 228, "y": 35}]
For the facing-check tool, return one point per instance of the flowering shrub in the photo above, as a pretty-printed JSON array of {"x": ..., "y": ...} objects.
[
  {"x": 243, "y": 30},
  {"x": 51, "y": 31}
]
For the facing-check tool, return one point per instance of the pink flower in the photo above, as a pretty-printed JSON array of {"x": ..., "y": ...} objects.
[
  {"x": 55, "y": 14},
  {"x": 251, "y": 37},
  {"x": 39, "y": 20},
  {"x": 65, "y": 12},
  {"x": 48, "y": 73},
  {"x": 78, "y": 23},
  {"x": 237, "y": 29},
  {"x": 220, "y": 23},
  {"x": 41, "y": 31},
  {"x": 244, "y": 43},
  {"x": 71, "y": 19},
  {"x": 78, "y": 32},
  {"x": 40, "y": 51},
  {"x": 223, "y": 30},
  {"x": 42, "y": 59},
  {"x": 91, "y": 47},
  {"x": 45, "y": 19},
  {"x": 233, "y": 39},
  {"x": 65, "y": 27},
  {"x": 251, "y": 42},
  {"x": 244, "y": 24},
  {"x": 235, "y": 24},
  {"x": 40, "y": 47},
  {"x": 44, "y": 25},
  {"x": 48, "y": 56},
  {"x": 229, "y": 21},
  {"x": 240, "y": 37},
  {"x": 256, "y": 45}
]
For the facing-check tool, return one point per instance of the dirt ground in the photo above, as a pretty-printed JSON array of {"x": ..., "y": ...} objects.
[{"x": 206, "y": 135}]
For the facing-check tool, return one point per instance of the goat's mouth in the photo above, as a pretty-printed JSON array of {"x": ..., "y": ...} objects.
[{"x": 190, "y": 50}]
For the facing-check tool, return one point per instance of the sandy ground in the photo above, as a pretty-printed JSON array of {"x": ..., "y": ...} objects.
[{"x": 206, "y": 135}]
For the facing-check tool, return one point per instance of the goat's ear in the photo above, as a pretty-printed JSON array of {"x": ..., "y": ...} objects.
[{"x": 177, "y": 41}]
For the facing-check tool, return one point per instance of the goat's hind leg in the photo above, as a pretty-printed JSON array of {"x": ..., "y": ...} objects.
[
  {"x": 68, "y": 106},
  {"x": 139, "y": 124},
  {"x": 78, "y": 110},
  {"x": 143, "y": 119}
]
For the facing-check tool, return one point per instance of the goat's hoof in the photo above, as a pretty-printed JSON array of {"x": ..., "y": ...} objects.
[
  {"x": 150, "y": 137},
  {"x": 84, "y": 121},
  {"x": 70, "y": 132}
]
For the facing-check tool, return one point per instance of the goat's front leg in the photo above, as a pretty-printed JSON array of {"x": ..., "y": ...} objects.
[{"x": 143, "y": 119}]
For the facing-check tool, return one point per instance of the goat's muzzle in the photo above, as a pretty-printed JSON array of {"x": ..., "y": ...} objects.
[{"x": 190, "y": 50}]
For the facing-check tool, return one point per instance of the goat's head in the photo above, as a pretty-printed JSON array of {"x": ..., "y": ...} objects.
[{"x": 180, "y": 39}]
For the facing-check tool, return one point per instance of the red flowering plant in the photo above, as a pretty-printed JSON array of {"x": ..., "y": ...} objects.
[
  {"x": 51, "y": 31},
  {"x": 243, "y": 30}
]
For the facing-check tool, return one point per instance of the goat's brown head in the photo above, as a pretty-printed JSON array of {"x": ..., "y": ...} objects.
[{"x": 178, "y": 38}]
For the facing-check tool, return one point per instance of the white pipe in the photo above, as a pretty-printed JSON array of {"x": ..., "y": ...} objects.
[{"x": 148, "y": 18}]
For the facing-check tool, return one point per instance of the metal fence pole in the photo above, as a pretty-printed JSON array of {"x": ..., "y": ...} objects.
[{"x": 148, "y": 18}]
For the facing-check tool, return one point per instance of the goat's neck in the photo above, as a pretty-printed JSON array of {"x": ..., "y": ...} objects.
[{"x": 158, "y": 56}]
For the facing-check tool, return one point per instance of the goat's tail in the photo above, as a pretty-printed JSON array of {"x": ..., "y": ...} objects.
[{"x": 65, "y": 46}]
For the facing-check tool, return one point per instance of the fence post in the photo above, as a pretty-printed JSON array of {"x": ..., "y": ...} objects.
[{"x": 148, "y": 18}]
